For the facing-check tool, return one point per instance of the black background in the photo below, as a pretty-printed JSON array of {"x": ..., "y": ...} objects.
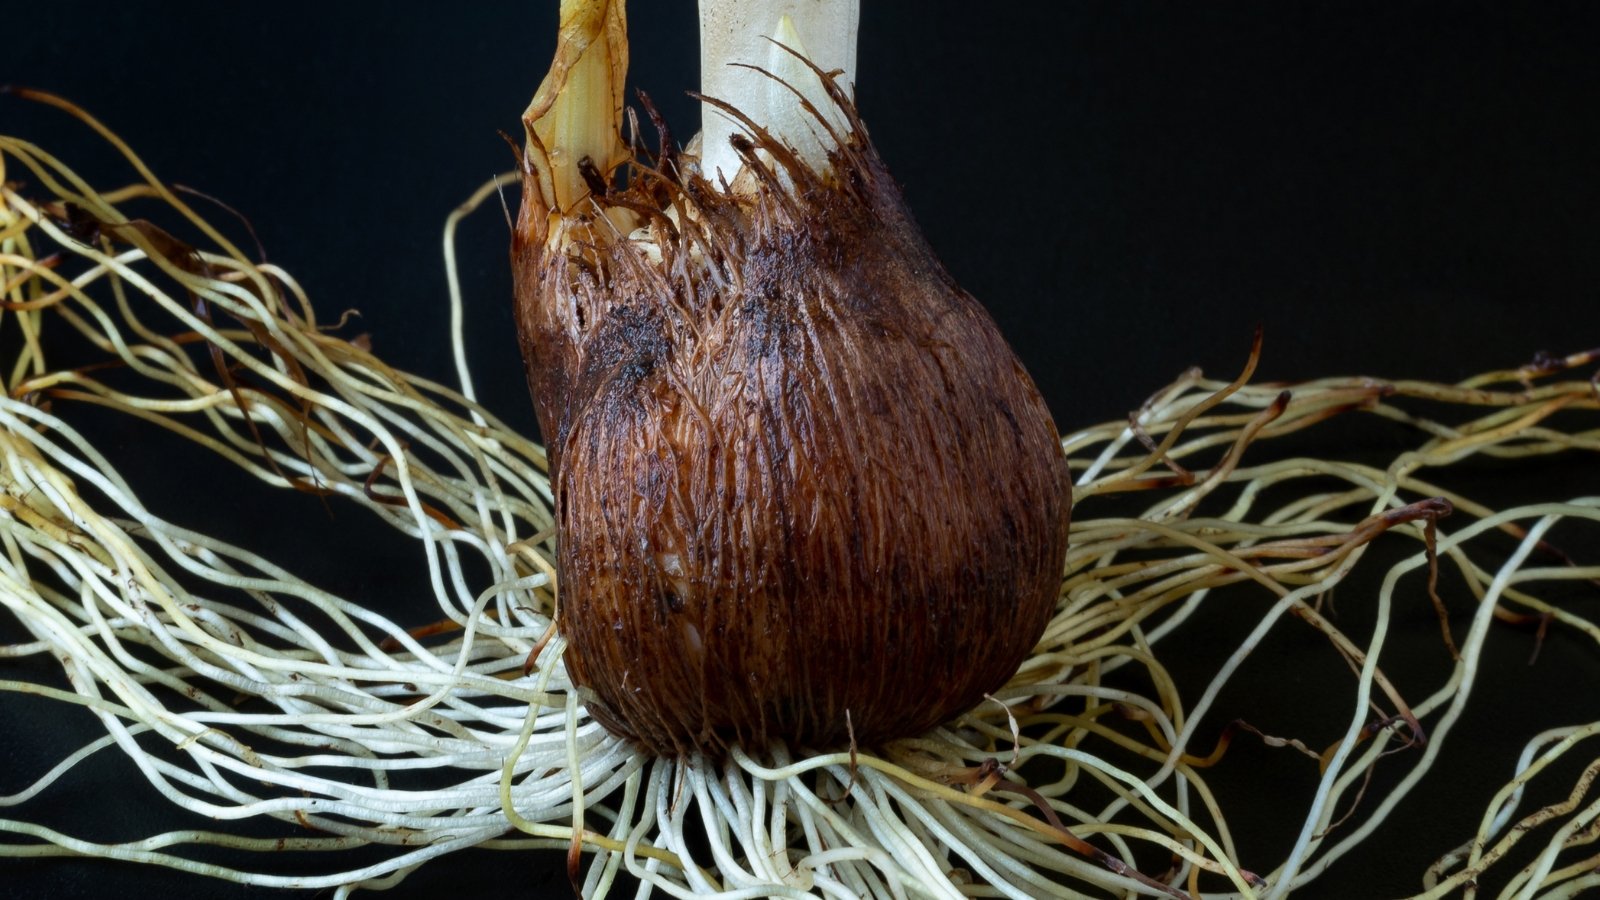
[{"x": 1395, "y": 189}]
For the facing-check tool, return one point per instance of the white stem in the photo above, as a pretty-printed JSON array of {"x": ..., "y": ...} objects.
[{"x": 734, "y": 32}]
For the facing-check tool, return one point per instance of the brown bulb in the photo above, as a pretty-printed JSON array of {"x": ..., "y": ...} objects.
[{"x": 801, "y": 480}]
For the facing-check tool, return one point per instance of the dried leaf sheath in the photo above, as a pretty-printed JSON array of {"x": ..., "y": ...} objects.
[{"x": 798, "y": 472}]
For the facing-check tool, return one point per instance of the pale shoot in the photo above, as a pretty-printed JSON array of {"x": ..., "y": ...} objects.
[
  {"x": 574, "y": 121},
  {"x": 773, "y": 35}
]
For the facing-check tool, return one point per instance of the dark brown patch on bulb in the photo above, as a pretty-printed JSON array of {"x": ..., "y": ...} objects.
[{"x": 798, "y": 471}]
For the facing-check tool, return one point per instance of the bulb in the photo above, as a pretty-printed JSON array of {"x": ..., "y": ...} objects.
[{"x": 805, "y": 490}]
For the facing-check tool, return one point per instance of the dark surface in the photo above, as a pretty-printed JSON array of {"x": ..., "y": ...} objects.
[{"x": 1403, "y": 190}]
